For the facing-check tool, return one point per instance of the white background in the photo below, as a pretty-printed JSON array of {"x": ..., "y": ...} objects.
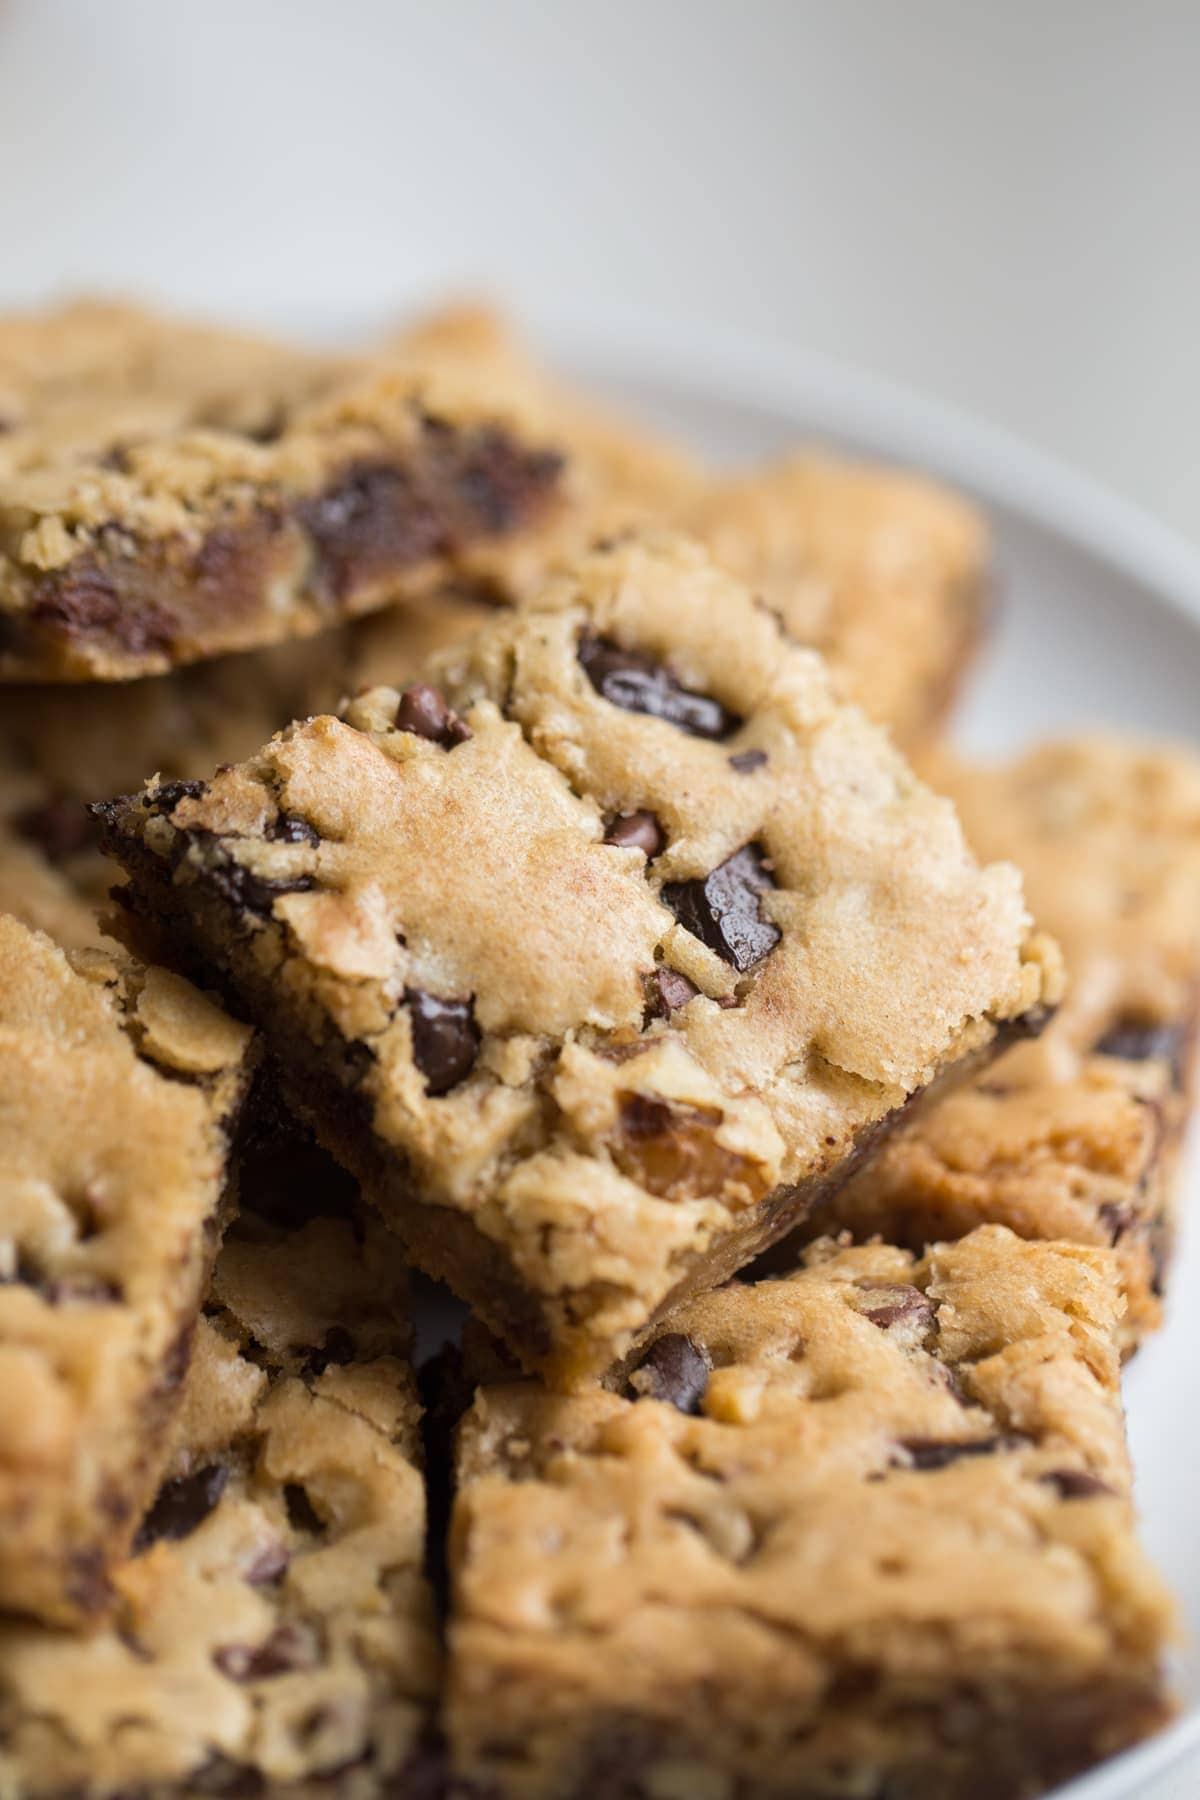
[{"x": 999, "y": 203}]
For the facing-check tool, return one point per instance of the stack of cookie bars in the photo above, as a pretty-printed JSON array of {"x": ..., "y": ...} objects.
[{"x": 534, "y": 864}]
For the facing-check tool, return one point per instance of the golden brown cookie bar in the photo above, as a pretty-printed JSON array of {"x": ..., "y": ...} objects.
[
  {"x": 64, "y": 744},
  {"x": 863, "y": 1531},
  {"x": 1075, "y": 1136},
  {"x": 273, "y": 1626},
  {"x": 119, "y": 1087},
  {"x": 169, "y": 492},
  {"x": 597, "y": 963},
  {"x": 881, "y": 570}
]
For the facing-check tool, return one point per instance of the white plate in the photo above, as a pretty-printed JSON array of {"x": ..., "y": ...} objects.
[{"x": 1100, "y": 624}]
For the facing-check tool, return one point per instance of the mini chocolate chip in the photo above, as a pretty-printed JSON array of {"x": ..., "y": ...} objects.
[
  {"x": 168, "y": 794},
  {"x": 637, "y": 683},
  {"x": 267, "y": 1567},
  {"x": 182, "y": 1505},
  {"x": 61, "y": 828},
  {"x": 445, "y": 1038},
  {"x": 637, "y": 831},
  {"x": 722, "y": 909},
  {"x": 746, "y": 761},
  {"x": 290, "y": 828},
  {"x": 669, "y": 990},
  {"x": 1076, "y": 1484},
  {"x": 302, "y": 1514},
  {"x": 937, "y": 1453},
  {"x": 290, "y": 1647},
  {"x": 675, "y": 1370},
  {"x": 1139, "y": 1040},
  {"x": 424, "y": 712},
  {"x": 903, "y": 1303}
]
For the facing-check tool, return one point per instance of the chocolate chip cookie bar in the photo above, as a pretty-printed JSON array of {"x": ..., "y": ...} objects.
[
  {"x": 882, "y": 570},
  {"x": 863, "y": 1531},
  {"x": 119, "y": 1087},
  {"x": 600, "y": 954},
  {"x": 272, "y": 1627},
  {"x": 1075, "y": 1136},
  {"x": 169, "y": 492}
]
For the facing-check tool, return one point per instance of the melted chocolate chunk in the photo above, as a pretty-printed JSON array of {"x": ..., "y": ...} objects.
[
  {"x": 60, "y": 828},
  {"x": 182, "y": 1505},
  {"x": 897, "y": 1305},
  {"x": 83, "y": 601},
  {"x": 938, "y": 1453},
  {"x": 249, "y": 892},
  {"x": 289, "y": 1647},
  {"x": 302, "y": 1514},
  {"x": 746, "y": 761},
  {"x": 675, "y": 1370},
  {"x": 722, "y": 909},
  {"x": 424, "y": 712},
  {"x": 290, "y": 828},
  {"x": 636, "y": 683},
  {"x": 637, "y": 831},
  {"x": 445, "y": 1038},
  {"x": 1138, "y": 1040},
  {"x": 168, "y": 794},
  {"x": 669, "y": 990},
  {"x": 1076, "y": 1484}
]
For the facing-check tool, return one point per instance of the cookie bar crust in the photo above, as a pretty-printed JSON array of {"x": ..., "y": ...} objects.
[
  {"x": 169, "y": 492},
  {"x": 273, "y": 1629},
  {"x": 1076, "y": 1136},
  {"x": 119, "y": 1089},
  {"x": 597, "y": 958},
  {"x": 865, "y": 1530}
]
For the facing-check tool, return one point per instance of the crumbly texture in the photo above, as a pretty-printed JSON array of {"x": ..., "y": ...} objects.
[
  {"x": 169, "y": 492},
  {"x": 864, "y": 1533},
  {"x": 881, "y": 570},
  {"x": 119, "y": 1087},
  {"x": 1076, "y": 1136},
  {"x": 599, "y": 960},
  {"x": 63, "y": 745},
  {"x": 273, "y": 1625}
]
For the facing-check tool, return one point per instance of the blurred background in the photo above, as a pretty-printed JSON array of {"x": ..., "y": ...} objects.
[{"x": 997, "y": 204}]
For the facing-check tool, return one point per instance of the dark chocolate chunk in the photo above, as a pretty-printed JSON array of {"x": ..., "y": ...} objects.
[
  {"x": 1076, "y": 1484},
  {"x": 746, "y": 761},
  {"x": 245, "y": 890},
  {"x": 302, "y": 1514},
  {"x": 669, "y": 990},
  {"x": 675, "y": 1370},
  {"x": 60, "y": 828},
  {"x": 182, "y": 1505},
  {"x": 722, "y": 909},
  {"x": 290, "y": 828},
  {"x": 1138, "y": 1040},
  {"x": 168, "y": 794},
  {"x": 290, "y": 1647},
  {"x": 445, "y": 1038},
  {"x": 424, "y": 712},
  {"x": 937, "y": 1453},
  {"x": 901, "y": 1304},
  {"x": 637, "y": 831},
  {"x": 637, "y": 683},
  {"x": 83, "y": 601}
]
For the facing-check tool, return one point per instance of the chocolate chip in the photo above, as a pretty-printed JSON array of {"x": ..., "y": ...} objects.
[
  {"x": 675, "y": 1370},
  {"x": 290, "y": 1647},
  {"x": 722, "y": 909},
  {"x": 60, "y": 828},
  {"x": 302, "y": 1514},
  {"x": 1076, "y": 1484},
  {"x": 637, "y": 683},
  {"x": 937, "y": 1453},
  {"x": 168, "y": 794},
  {"x": 746, "y": 761},
  {"x": 669, "y": 990},
  {"x": 290, "y": 828},
  {"x": 445, "y": 1038},
  {"x": 182, "y": 1505},
  {"x": 424, "y": 712},
  {"x": 902, "y": 1304},
  {"x": 245, "y": 890},
  {"x": 637, "y": 831},
  {"x": 1139, "y": 1040},
  {"x": 267, "y": 1567}
]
